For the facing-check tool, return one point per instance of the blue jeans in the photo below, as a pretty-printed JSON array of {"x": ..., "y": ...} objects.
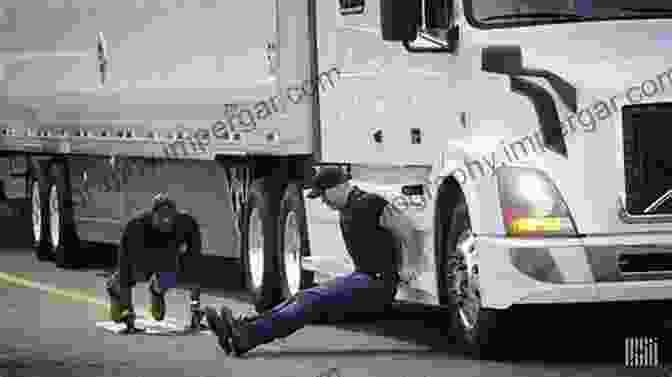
[
  {"x": 129, "y": 273},
  {"x": 350, "y": 294}
]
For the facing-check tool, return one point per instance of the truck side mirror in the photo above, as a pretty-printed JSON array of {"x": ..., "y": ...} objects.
[
  {"x": 400, "y": 19},
  {"x": 502, "y": 59}
]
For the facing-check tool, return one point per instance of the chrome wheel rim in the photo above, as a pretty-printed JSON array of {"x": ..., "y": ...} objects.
[
  {"x": 54, "y": 217},
  {"x": 256, "y": 249},
  {"x": 292, "y": 252},
  {"x": 466, "y": 281},
  {"x": 37, "y": 213}
]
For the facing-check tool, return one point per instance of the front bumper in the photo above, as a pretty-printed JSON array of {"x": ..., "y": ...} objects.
[{"x": 568, "y": 270}]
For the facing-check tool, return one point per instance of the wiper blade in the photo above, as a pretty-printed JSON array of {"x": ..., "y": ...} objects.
[{"x": 571, "y": 16}]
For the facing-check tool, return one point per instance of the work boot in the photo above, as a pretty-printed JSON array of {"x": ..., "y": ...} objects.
[
  {"x": 129, "y": 319},
  {"x": 249, "y": 317},
  {"x": 118, "y": 311},
  {"x": 241, "y": 339},
  {"x": 219, "y": 327},
  {"x": 234, "y": 334}
]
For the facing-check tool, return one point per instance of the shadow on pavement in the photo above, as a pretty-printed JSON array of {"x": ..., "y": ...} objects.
[{"x": 548, "y": 334}]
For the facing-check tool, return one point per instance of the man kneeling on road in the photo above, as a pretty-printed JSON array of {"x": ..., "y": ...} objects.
[
  {"x": 372, "y": 230},
  {"x": 155, "y": 246}
]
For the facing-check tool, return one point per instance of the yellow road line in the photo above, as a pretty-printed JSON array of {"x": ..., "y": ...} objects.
[{"x": 65, "y": 293}]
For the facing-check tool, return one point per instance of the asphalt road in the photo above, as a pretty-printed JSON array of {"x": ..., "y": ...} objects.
[{"x": 47, "y": 327}]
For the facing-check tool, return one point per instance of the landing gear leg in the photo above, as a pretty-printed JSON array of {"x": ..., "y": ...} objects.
[{"x": 196, "y": 318}]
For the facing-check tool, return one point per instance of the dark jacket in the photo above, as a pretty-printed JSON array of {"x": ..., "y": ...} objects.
[
  {"x": 149, "y": 250},
  {"x": 373, "y": 249}
]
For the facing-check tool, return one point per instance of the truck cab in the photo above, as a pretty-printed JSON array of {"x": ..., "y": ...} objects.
[{"x": 534, "y": 129}]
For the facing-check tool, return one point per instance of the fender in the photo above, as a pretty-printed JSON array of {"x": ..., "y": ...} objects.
[{"x": 462, "y": 161}]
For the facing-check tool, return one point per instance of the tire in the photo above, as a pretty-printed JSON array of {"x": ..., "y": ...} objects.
[
  {"x": 259, "y": 220},
  {"x": 62, "y": 234},
  {"x": 481, "y": 331},
  {"x": 293, "y": 243},
  {"x": 39, "y": 222}
]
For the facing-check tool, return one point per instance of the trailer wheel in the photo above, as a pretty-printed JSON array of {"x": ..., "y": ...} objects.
[
  {"x": 39, "y": 224},
  {"x": 259, "y": 245},
  {"x": 62, "y": 234},
  {"x": 480, "y": 330},
  {"x": 293, "y": 241}
]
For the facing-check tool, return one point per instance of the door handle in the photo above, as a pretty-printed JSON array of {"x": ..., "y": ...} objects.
[
  {"x": 103, "y": 58},
  {"x": 272, "y": 57}
]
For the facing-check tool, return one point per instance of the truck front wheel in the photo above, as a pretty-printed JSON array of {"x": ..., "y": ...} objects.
[{"x": 480, "y": 330}]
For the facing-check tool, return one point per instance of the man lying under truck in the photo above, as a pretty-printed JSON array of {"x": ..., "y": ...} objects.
[
  {"x": 156, "y": 246},
  {"x": 373, "y": 231}
]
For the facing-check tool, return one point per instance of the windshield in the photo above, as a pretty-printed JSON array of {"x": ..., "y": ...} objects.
[{"x": 491, "y": 13}]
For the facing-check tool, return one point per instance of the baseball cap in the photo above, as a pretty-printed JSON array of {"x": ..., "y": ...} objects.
[{"x": 326, "y": 178}]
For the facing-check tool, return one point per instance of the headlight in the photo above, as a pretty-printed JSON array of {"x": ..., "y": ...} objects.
[{"x": 532, "y": 205}]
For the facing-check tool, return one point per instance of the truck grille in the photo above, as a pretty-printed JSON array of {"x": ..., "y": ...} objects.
[{"x": 647, "y": 156}]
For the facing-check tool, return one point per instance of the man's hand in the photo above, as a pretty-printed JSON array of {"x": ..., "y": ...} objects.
[
  {"x": 183, "y": 248},
  {"x": 411, "y": 270},
  {"x": 407, "y": 275}
]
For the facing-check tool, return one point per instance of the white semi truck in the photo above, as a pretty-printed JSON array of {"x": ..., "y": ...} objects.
[{"x": 522, "y": 136}]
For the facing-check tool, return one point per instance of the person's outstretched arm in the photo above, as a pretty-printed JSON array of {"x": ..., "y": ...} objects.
[
  {"x": 413, "y": 259},
  {"x": 132, "y": 241}
]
